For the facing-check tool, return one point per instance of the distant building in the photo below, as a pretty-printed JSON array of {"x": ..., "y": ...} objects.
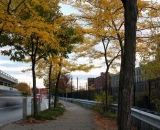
[
  {"x": 90, "y": 81},
  {"x": 100, "y": 81},
  {"x": 140, "y": 82},
  {"x": 115, "y": 83},
  {"x": 7, "y": 82}
]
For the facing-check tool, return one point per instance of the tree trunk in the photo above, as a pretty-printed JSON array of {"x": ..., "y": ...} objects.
[
  {"x": 49, "y": 87},
  {"x": 56, "y": 90},
  {"x": 106, "y": 89},
  {"x": 34, "y": 90},
  {"x": 128, "y": 65},
  {"x": 33, "y": 57}
]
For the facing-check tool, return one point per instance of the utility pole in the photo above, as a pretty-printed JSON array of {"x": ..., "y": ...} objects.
[
  {"x": 77, "y": 87},
  {"x": 71, "y": 87}
]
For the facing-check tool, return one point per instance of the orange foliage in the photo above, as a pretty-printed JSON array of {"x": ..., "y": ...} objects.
[{"x": 24, "y": 88}]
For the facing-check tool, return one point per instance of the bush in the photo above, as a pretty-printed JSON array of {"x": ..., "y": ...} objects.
[
  {"x": 51, "y": 114},
  {"x": 142, "y": 100},
  {"x": 102, "y": 99},
  {"x": 100, "y": 108},
  {"x": 111, "y": 115}
]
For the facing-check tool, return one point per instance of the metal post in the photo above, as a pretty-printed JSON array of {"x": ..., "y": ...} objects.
[
  {"x": 149, "y": 95},
  {"x": 71, "y": 87},
  {"x": 143, "y": 125},
  {"x": 24, "y": 108},
  {"x": 77, "y": 87},
  {"x": 38, "y": 104},
  {"x": 134, "y": 99},
  {"x": 32, "y": 106}
]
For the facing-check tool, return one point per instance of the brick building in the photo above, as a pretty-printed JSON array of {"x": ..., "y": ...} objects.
[
  {"x": 98, "y": 82},
  {"x": 91, "y": 81}
]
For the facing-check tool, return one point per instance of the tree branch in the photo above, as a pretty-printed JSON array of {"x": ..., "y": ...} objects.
[{"x": 9, "y": 3}]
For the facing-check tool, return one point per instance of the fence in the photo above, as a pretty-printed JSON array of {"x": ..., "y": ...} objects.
[{"x": 145, "y": 92}]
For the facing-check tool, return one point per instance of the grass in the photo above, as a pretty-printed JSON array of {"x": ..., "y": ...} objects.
[{"x": 50, "y": 114}]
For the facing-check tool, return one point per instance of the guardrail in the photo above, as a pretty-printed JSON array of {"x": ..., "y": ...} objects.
[
  {"x": 84, "y": 103},
  {"x": 143, "y": 120}
]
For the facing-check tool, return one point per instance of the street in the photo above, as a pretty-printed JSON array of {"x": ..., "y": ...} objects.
[{"x": 14, "y": 113}]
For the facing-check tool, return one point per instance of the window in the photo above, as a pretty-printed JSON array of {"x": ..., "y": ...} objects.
[{"x": 1, "y": 83}]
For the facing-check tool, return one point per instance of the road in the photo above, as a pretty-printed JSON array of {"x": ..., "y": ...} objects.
[{"x": 14, "y": 113}]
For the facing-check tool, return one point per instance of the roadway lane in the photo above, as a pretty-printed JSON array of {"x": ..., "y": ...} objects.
[{"x": 11, "y": 114}]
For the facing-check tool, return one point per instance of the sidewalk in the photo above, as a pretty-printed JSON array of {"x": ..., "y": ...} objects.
[{"x": 74, "y": 118}]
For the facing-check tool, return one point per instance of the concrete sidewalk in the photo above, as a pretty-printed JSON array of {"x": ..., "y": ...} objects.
[{"x": 75, "y": 118}]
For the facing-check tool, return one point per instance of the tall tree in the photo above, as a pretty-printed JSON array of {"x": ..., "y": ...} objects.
[
  {"x": 109, "y": 57},
  {"x": 67, "y": 36},
  {"x": 127, "y": 65},
  {"x": 28, "y": 28}
]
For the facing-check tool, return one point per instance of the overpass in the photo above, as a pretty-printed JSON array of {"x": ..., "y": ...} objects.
[{"x": 7, "y": 81}]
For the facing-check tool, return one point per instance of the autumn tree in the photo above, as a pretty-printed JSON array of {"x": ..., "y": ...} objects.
[
  {"x": 105, "y": 18},
  {"x": 28, "y": 29},
  {"x": 104, "y": 25},
  {"x": 151, "y": 68},
  {"x": 24, "y": 88},
  {"x": 151, "y": 58},
  {"x": 64, "y": 82},
  {"x": 111, "y": 53},
  {"x": 68, "y": 37},
  {"x": 127, "y": 65}
]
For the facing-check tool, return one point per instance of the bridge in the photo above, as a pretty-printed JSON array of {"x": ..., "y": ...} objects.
[{"x": 7, "y": 81}]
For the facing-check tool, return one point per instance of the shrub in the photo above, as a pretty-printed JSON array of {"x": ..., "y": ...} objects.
[
  {"x": 102, "y": 99},
  {"x": 51, "y": 114},
  {"x": 100, "y": 107}
]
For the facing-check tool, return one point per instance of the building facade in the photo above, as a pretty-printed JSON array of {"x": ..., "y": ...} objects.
[
  {"x": 7, "y": 82},
  {"x": 139, "y": 86},
  {"x": 98, "y": 83},
  {"x": 91, "y": 81},
  {"x": 115, "y": 83}
]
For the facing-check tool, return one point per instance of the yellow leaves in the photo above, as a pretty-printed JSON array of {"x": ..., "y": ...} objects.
[
  {"x": 33, "y": 24},
  {"x": 24, "y": 88},
  {"x": 141, "y": 4},
  {"x": 91, "y": 87},
  {"x": 82, "y": 67}
]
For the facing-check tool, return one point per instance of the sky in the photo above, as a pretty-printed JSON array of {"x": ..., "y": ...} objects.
[{"x": 14, "y": 69}]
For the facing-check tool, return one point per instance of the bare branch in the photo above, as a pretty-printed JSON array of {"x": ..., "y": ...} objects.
[
  {"x": 9, "y": 3},
  {"x": 14, "y": 10}
]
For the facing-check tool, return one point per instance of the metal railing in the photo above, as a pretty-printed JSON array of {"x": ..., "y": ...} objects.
[{"x": 143, "y": 120}]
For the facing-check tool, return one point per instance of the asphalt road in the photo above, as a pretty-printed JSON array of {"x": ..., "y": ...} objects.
[{"x": 14, "y": 113}]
